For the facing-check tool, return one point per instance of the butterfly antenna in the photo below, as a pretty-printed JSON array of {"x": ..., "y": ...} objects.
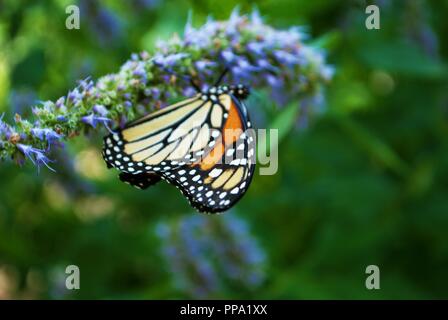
[
  {"x": 194, "y": 84},
  {"x": 221, "y": 76}
]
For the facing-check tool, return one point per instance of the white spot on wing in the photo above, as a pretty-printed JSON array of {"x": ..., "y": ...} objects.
[{"x": 215, "y": 172}]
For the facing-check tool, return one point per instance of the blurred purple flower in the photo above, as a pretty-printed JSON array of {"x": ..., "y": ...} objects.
[
  {"x": 37, "y": 156},
  {"x": 60, "y": 103},
  {"x": 86, "y": 84},
  {"x": 5, "y": 129},
  {"x": 128, "y": 104},
  {"x": 264, "y": 64},
  {"x": 273, "y": 81},
  {"x": 41, "y": 159},
  {"x": 235, "y": 19},
  {"x": 103, "y": 23},
  {"x": 93, "y": 121},
  {"x": 75, "y": 96},
  {"x": 46, "y": 134},
  {"x": 204, "y": 65},
  {"x": 155, "y": 93},
  {"x": 256, "y": 18},
  {"x": 245, "y": 65},
  {"x": 200, "y": 38},
  {"x": 139, "y": 72},
  {"x": 256, "y": 48},
  {"x": 46, "y": 107},
  {"x": 169, "y": 60},
  {"x": 189, "y": 91},
  {"x": 22, "y": 99},
  {"x": 228, "y": 56},
  {"x": 243, "y": 70},
  {"x": 285, "y": 57},
  {"x": 101, "y": 110},
  {"x": 205, "y": 254}
]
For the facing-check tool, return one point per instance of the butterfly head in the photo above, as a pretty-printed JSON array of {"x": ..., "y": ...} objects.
[{"x": 240, "y": 91}]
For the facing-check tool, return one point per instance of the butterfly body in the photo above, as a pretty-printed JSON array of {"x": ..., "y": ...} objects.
[{"x": 202, "y": 145}]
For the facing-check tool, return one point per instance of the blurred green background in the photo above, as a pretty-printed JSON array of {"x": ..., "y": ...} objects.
[{"x": 364, "y": 183}]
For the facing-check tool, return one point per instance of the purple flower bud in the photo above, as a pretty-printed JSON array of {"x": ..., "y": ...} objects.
[
  {"x": 5, "y": 129},
  {"x": 228, "y": 56},
  {"x": 155, "y": 93},
  {"x": 188, "y": 91},
  {"x": 256, "y": 18},
  {"x": 166, "y": 78},
  {"x": 243, "y": 70},
  {"x": 36, "y": 156},
  {"x": 144, "y": 55},
  {"x": 238, "y": 73},
  {"x": 93, "y": 121},
  {"x": 273, "y": 81},
  {"x": 48, "y": 106},
  {"x": 245, "y": 65},
  {"x": 46, "y": 134},
  {"x": 1, "y": 121},
  {"x": 169, "y": 60},
  {"x": 60, "y": 102},
  {"x": 86, "y": 84},
  {"x": 264, "y": 64},
  {"x": 202, "y": 37},
  {"x": 256, "y": 47},
  {"x": 75, "y": 96},
  {"x": 161, "y": 45},
  {"x": 232, "y": 24},
  {"x": 100, "y": 109},
  {"x": 140, "y": 72},
  {"x": 41, "y": 159},
  {"x": 285, "y": 57},
  {"x": 202, "y": 65}
]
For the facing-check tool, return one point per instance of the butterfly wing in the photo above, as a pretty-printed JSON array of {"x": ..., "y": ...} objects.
[
  {"x": 140, "y": 181},
  {"x": 163, "y": 140},
  {"x": 221, "y": 177},
  {"x": 202, "y": 146}
]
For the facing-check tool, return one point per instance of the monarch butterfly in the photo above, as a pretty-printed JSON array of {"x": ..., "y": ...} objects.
[{"x": 201, "y": 145}]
